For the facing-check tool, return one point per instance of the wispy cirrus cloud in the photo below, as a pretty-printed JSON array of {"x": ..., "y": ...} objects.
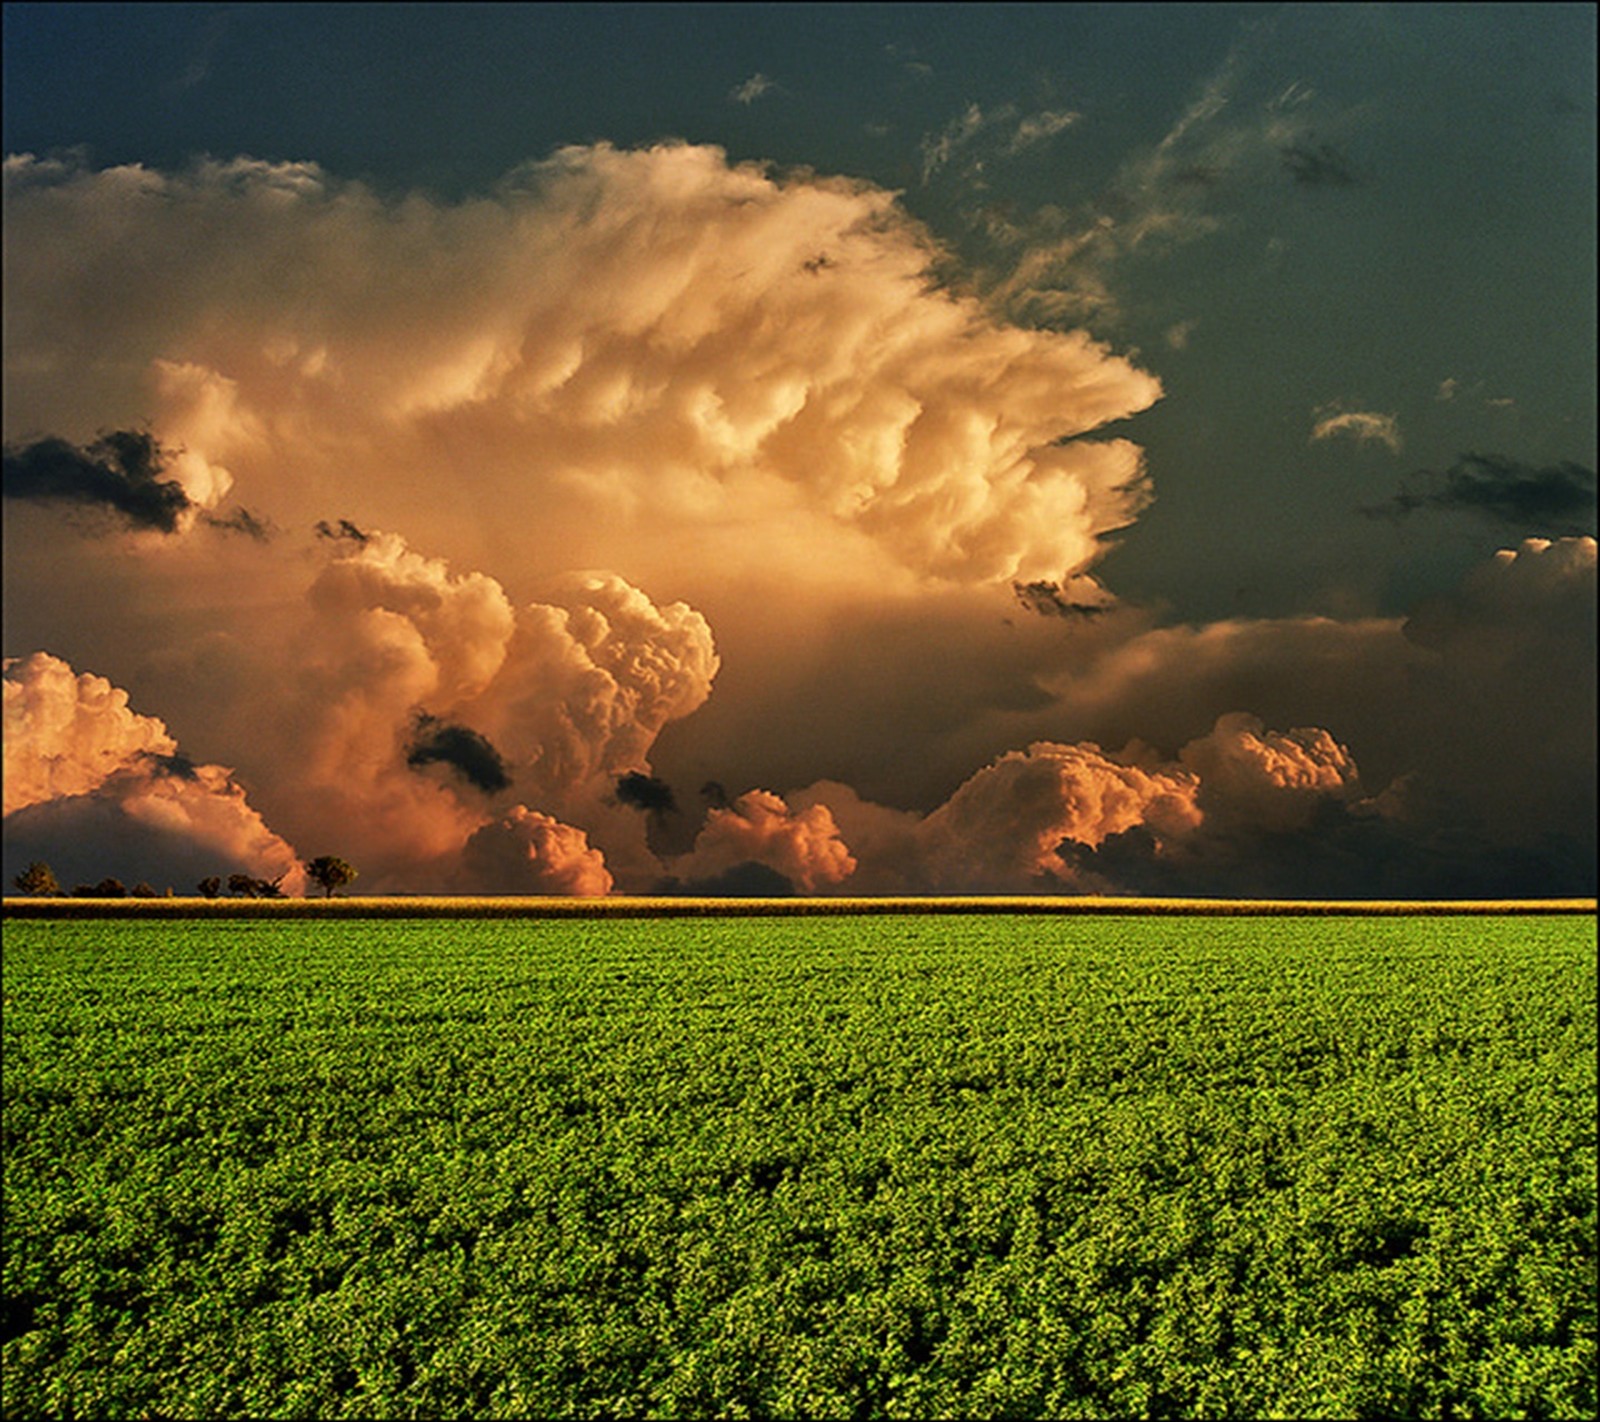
[
  {"x": 1363, "y": 426},
  {"x": 977, "y": 136},
  {"x": 751, "y": 90},
  {"x": 1242, "y": 133}
]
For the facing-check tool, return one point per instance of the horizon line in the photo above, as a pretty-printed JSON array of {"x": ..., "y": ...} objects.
[{"x": 676, "y": 905}]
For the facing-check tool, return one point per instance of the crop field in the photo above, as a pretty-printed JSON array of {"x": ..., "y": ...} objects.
[{"x": 870, "y": 1166}]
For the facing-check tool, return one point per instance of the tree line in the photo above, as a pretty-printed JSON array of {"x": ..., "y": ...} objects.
[{"x": 327, "y": 871}]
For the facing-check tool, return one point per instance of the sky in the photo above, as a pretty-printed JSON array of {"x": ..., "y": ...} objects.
[{"x": 826, "y": 449}]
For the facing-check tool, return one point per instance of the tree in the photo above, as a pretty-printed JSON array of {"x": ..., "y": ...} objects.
[
  {"x": 110, "y": 889},
  {"x": 250, "y": 887},
  {"x": 142, "y": 890},
  {"x": 209, "y": 887},
  {"x": 329, "y": 871},
  {"x": 38, "y": 879}
]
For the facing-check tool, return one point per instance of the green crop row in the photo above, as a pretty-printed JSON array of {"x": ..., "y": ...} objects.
[{"x": 888, "y": 1166}]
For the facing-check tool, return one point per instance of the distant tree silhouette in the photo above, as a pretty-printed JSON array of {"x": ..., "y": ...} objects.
[
  {"x": 38, "y": 879},
  {"x": 142, "y": 890},
  {"x": 209, "y": 887},
  {"x": 110, "y": 889},
  {"x": 329, "y": 872},
  {"x": 249, "y": 887}
]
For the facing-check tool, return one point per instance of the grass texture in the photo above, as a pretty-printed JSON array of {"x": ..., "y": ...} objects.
[{"x": 882, "y": 1166}]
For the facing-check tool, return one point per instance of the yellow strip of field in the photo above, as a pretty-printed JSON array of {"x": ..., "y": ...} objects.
[{"x": 664, "y": 906}]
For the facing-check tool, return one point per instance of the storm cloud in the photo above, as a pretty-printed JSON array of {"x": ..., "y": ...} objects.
[
  {"x": 1551, "y": 499},
  {"x": 1315, "y": 165},
  {"x": 646, "y": 792},
  {"x": 122, "y": 472},
  {"x": 465, "y": 751},
  {"x": 634, "y": 491}
]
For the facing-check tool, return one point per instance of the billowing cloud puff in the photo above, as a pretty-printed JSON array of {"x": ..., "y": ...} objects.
[
  {"x": 1032, "y": 820},
  {"x": 462, "y": 622},
  {"x": 591, "y": 680},
  {"x": 1270, "y": 779},
  {"x": 884, "y": 841},
  {"x": 424, "y": 696},
  {"x": 1003, "y": 828},
  {"x": 1507, "y": 682},
  {"x": 66, "y": 734},
  {"x": 1541, "y": 590},
  {"x": 99, "y": 791},
  {"x": 657, "y": 333},
  {"x": 391, "y": 637},
  {"x": 526, "y": 852},
  {"x": 760, "y": 828}
]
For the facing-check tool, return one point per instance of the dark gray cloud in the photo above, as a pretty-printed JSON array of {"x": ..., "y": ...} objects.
[
  {"x": 121, "y": 472},
  {"x": 242, "y": 521},
  {"x": 343, "y": 529},
  {"x": 177, "y": 765},
  {"x": 1555, "y": 500},
  {"x": 1048, "y": 600},
  {"x": 467, "y": 752},
  {"x": 750, "y": 879},
  {"x": 1345, "y": 852},
  {"x": 1321, "y": 165},
  {"x": 646, "y": 792}
]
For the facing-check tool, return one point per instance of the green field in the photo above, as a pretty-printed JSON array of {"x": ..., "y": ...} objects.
[{"x": 831, "y": 1166}]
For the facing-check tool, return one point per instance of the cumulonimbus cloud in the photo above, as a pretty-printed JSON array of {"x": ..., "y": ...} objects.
[
  {"x": 425, "y": 700},
  {"x": 676, "y": 338},
  {"x": 746, "y": 392}
]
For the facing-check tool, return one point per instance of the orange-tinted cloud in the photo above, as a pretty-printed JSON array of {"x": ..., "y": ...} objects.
[
  {"x": 67, "y": 734},
  {"x": 658, "y": 333},
  {"x": 759, "y": 827},
  {"x": 1270, "y": 779},
  {"x": 1002, "y": 829},
  {"x": 99, "y": 790},
  {"x": 526, "y": 852},
  {"x": 561, "y": 696}
]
